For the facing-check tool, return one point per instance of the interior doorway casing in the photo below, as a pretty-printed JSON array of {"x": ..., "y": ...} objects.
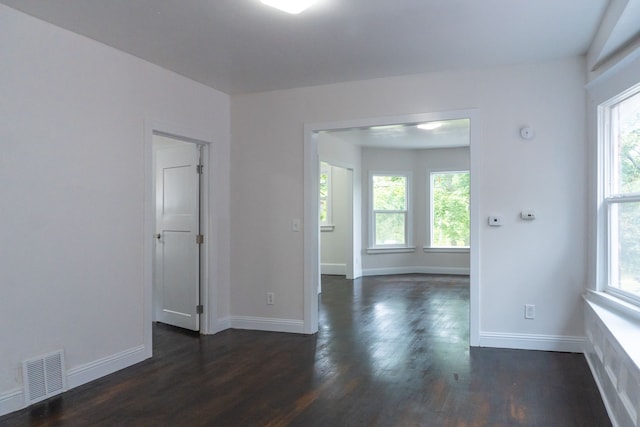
[
  {"x": 311, "y": 208},
  {"x": 152, "y": 128},
  {"x": 350, "y": 268}
]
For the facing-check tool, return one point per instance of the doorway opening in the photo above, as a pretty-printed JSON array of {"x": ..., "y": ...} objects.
[
  {"x": 178, "y": 233},
  {"x": 387, "y": 129},
  {"x": 336, "y": 219},
  {"x": 160, "y": 136}
]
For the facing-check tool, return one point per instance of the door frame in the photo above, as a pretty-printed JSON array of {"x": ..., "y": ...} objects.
[
  {"x": 351, "y": 272},
  {"x": 151, "y": 128},
  {"x": 311, "y": 207}
]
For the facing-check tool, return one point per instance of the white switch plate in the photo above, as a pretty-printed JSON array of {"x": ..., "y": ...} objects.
[
  {"x": 528, "y": 215},
  {"x": 295, "y": 224},
  {"x": 529, "y": 311}
]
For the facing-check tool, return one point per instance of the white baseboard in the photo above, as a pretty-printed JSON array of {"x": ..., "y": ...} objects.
[
  {"x": 11, "y": 401},
  {"x": 267, "y": 324},
  {"x": 337, "y": 269},
  {"x": 420, "y": 270},
  {"x": 532, "y": 342},
  {"x": 221, "y": 325},
  {"x": 107, "y": 365},
  {"x": 14, "y": 400}
]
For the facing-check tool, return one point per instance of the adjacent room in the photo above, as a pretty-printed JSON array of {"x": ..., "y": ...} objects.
[{"x": 101, "y": 220}]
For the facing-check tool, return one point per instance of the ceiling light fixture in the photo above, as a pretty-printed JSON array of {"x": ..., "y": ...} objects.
[
  {"x": 429, "y": 125},
  {"x": 386, "y": 127},
  {"x": 290, "y": 6}
]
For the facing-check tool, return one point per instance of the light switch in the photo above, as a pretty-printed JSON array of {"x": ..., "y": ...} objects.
[
  {"x": 528, "y": 215},
  {"x": 295, "y": 224}
]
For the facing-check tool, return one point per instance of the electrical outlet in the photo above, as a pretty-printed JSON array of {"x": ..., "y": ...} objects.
[
  {"x": 271, "y": 298},
  {"x": 529, "y": 311}
]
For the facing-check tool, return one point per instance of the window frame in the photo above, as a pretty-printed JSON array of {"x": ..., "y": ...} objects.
[
  {"x": 408, "y": 226},
  {"x": 607, "y": 199},
  {"x": 429, "y": 238}
]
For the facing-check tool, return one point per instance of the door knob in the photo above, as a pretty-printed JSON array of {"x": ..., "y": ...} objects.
[{"x": 158, "y": 236}]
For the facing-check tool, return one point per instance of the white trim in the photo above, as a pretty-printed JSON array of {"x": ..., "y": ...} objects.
[
  {"x": 613, "y": 303},
  {"x": 83, "y": 374},
  {"x": 267, "y": 324},
  {"x": 221, "y": 325},
  {"x": 615, "y": 69},
  {"x": 415, "y": 270},
  {"x": 11, "y": 401},
  {"x": 311, "y": 234},
  {"x": 562, "y": 343},
  {"x": 311, "y": 227},
  {"x": 336, "y": 269},
  {"x": 608, "y": 235},
  {"x": 208, "y": 254},
  {"x": 107, "y": 365}
]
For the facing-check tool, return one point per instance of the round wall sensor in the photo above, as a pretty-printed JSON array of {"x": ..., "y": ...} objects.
[{"x": 526, "y": 133}]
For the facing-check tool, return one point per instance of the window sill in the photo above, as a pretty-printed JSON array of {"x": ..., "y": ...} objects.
[
  {"x": 620, "y": 318},
  {"x": 391, "y": 250},
  {"x": 430, "y": 249},
  {"x": 327, "y": 227}
]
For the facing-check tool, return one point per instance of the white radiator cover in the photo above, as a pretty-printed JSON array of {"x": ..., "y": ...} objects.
[
  {"x": 616, "y": 374},
  {"x": 44, "y": 377}
]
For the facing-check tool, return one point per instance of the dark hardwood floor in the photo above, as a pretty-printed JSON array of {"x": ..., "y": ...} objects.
[{"x": 391, "y": 351}]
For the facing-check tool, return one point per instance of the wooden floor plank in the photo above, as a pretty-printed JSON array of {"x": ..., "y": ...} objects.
[{"x": 391, "y": 351}]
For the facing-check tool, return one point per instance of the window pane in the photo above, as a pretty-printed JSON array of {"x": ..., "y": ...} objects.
[
  {"x": 324, "y": 185},
  {"x": 626, "y": 145},
  {"x": 625, "y": 247},
  {"x": 390, "y": 228},
  {"x": 450, "y": 201},
  {"x": 323, "y": 211},
  {"x": 389, "y": 193}
]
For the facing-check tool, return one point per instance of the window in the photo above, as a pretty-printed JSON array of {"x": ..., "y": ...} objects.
[
  {"x": 620, "y": 124},
  {"x": 325, "y": 197},
  {"x": 390, "y": 210},
  {"x": 449, "y": 209}
]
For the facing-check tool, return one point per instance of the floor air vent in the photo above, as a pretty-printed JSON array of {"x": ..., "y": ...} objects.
[{"x": 44, "y": 377}]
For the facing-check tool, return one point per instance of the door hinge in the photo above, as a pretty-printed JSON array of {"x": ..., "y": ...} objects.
[
  {"x": 199, "y": 309},
  {"x": 199, "y": 169},
  {"x": 199, "y": 239}
]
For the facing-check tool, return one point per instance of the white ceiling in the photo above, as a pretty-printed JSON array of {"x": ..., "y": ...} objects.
[
  {"x": 241, "y": 46},
  {"x": 450, "y": 134}
]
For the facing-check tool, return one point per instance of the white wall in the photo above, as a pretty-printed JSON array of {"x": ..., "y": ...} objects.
[
  {"x": 540, "y": 262},
  {"x": 349, "y": 156},
  {"x": 334, "y": 243},
  {"x": 420, "y": 164},
  {"x": 72, "y": 185}
]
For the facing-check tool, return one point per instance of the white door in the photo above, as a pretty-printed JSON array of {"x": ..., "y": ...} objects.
[{"x": 177, "y": 278}]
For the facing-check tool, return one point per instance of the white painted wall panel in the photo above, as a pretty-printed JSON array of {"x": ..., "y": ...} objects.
[
  {"x": 72, "y": 117},
  {"x": 540, "y": 262},
  {"x": 335, "y": 244}
]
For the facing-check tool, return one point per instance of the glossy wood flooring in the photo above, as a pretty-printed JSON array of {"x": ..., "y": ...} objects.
[{"x": 391, "y": 351}]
